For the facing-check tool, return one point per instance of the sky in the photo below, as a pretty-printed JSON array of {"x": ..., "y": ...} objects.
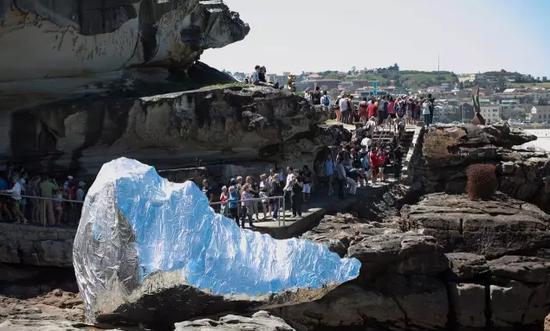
[{"x": 469, "y": 36}]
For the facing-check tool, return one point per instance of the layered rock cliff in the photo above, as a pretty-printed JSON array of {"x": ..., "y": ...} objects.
[
  {"x": 447, "y": 263},
  {"x": 220, "y": 124},
  {"x": 48, "y": 39}
]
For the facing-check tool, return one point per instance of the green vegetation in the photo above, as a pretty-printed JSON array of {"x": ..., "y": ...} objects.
[{"x": 412, "y": 80}]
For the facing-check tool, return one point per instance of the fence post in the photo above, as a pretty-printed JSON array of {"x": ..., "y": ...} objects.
[{"x": 284, "y": 211}]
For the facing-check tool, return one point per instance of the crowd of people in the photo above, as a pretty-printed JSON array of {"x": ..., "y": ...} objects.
[
  {"x": 245, "y": 198},
  {"x": 39, "y": 199},
  {"x": 386, "y": 110}
]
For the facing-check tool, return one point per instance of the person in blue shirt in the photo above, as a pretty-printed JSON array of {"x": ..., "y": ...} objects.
[{"x": 233, "y": 204}]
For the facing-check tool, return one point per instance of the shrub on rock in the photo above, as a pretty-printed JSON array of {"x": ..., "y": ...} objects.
[{"x": 482, "y": 181}]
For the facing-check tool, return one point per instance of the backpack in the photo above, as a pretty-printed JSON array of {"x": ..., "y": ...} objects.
[{"x": 325, "y": 101}]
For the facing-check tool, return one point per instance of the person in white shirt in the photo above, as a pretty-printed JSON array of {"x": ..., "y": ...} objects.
[
  {"x": 15, "y": 193},
  {"x": 343, "y": 104},
  {"x": 426, "y": 113},
  {"x": 290, "y": 178}
]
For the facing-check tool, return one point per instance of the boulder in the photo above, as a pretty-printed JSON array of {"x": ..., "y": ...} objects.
[
  {"x": 502, "y": 226},
  {"x": 399, "y": 253},
  {"x": 154, "y": 252},
  {"x": 467, "y": 266},
  {"x": 525, "y": 269},
  {"x": 260, "y": 321}
]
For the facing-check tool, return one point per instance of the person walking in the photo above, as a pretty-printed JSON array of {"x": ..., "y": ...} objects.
[
  {"x": 16, "y": 198},
  {"x": 276, "y": 190}
]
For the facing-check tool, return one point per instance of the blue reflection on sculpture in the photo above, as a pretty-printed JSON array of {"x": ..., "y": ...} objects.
[{"x": 176, "y": 230}]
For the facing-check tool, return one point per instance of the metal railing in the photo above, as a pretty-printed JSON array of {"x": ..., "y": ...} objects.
[
  {"x": 280, "y": 200},
  {"x": 42, "y": 210},
  {"x": 49, "y": 211}
]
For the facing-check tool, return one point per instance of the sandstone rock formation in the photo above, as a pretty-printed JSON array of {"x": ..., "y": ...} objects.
[
  {"x": 78, "y": 37},
  {"x": 234, "y": 123},
  {"x": 444, "y": 152},
  {"x": 442, "y": 273},
  {"x": 260, "y": 321},
  {"x": 55, "y": 310},
  {"x": 101, "y": 53},
  {"x": 491, "y": 228}
]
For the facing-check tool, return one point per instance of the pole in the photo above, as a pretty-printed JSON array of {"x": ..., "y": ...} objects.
[{"x": 284, "y": 211}]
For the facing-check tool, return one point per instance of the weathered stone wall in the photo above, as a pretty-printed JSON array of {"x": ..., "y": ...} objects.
[{"x": 35, "y": 245}]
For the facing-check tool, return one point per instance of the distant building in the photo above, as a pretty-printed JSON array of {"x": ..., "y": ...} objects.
[
  {"x": 540, "y": 114},
  {"x": 491, "y": 113},
  {"x": 324, "y": 84}
]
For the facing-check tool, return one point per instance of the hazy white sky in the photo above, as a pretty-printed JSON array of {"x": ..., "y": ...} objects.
[{"x": 314, "y": 35}]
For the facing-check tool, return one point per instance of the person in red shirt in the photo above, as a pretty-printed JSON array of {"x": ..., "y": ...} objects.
[
  {"x": 371, "y": 109},
  {"x": 381, "y": 163},
  {"x": 373, "y": 155}
]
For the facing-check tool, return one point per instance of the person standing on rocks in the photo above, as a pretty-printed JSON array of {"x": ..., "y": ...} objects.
[
  {"x": 316, "y": 96},
  {"x": 364, "y": 111},
  {"x": 431, "y": 104},
  {"x": 325, "y": 100},
  {"x": 345, "y": 109},
  {"x": 426, "y": 113}
]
